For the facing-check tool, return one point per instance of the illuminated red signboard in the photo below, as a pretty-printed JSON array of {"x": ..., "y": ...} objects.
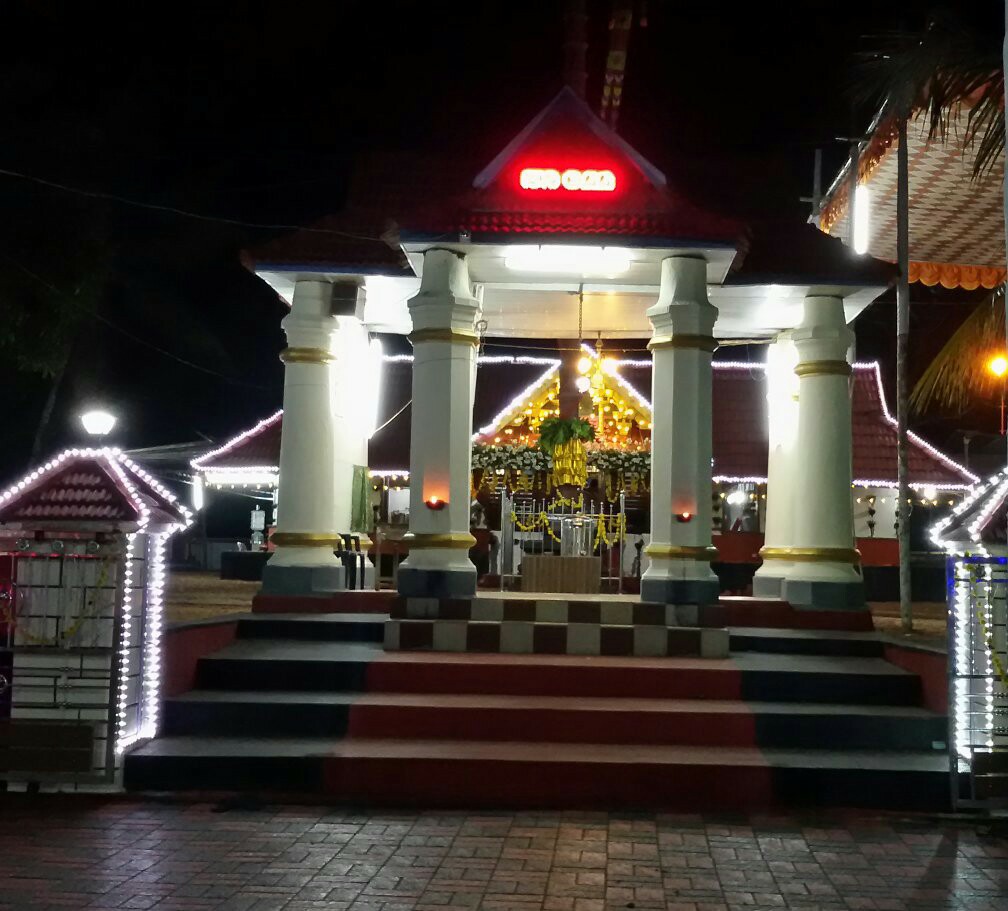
[{"x": 574, "y": 179}]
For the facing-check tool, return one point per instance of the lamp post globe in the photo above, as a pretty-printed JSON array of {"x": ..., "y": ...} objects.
[{"x": 97, "y": 422}]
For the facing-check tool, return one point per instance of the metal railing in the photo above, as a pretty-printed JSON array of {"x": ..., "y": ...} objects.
[
  {"x": 978, "y": 681},
  {"x": 566, "y": 527}
]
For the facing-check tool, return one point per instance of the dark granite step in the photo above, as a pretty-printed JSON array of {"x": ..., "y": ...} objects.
[
  {"x": 314, "y": 627},
  {"x": 286, "y": 664},
  {"x": 543, "y": 775},
  {"x": 805, "y": 642}
]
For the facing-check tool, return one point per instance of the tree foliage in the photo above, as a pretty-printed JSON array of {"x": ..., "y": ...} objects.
[{"x": 949, "y": 67}]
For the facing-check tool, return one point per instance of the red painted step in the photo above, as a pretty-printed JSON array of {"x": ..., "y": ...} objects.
[
  {"x": 530, "y": 776},
  {"x": 554, "y": 675},
  {"x": 689, "y": 722},
  {"x": 777, "y": 614}
]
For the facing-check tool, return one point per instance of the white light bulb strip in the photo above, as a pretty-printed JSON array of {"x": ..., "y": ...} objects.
[
  {"x": 29, "y": 479},
  {"x": 122, "y": 739},
  {"x": 988, "y": 661},
  {"x": 232, "y": 477},
  {"x": 388, "y": 473},
  {"x": 158, "y": 487},
  {"x": 916, "y": 485},
  {"x": 919, "y": 441},
  {"x": 153, "y": 625},
  {"x": 962, "y": 658},
  {"x": 526, "y": 359},
  {"x": 938, "y": 530}
]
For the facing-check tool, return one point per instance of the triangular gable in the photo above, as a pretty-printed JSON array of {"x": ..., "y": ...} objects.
[
  {"x": 85, "y": 488},
  {"x": 568, "y": 129},
  {"x": 91, "y": 485}
]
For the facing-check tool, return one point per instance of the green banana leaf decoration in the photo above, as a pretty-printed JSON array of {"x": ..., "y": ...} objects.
[
  {"x": 563, "y": 440},
  {"x": 554, "y": 432}
]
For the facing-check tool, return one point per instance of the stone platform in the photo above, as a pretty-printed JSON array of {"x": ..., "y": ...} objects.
[
  {"x": 551, "y": 624},
  {"x": 314, "y": 704}
]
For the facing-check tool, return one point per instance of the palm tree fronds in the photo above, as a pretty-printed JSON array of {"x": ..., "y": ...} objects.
[
  {"x": 959, "y": 372},
  {"x": 944, "y": 70}
]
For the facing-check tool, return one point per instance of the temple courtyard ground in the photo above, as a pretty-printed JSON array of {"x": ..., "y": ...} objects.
[{"x": 74, "y": 852}]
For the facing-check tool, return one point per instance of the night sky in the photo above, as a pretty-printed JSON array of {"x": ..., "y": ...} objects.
[{"x": 256, "y": 111}]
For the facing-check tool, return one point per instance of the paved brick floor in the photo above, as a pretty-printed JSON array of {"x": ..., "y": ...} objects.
[{"x": 72, "y": 853}]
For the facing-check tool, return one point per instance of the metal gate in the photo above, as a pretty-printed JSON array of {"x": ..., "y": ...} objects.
[
  {"x": 568, "y": 527},
  {"x": 978, "y": 681}
]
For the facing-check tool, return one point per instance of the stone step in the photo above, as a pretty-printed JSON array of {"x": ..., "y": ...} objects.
[
  {"x": 352, "y": 602},
  {"x": 345, "y": 666},
  {"x": 314, "y": 627},
  {"x": 805, "y": 642},
  {"x": 287, "y": 664},
  {"x": 543, "y": 718},
  {"x": 749, "y": 676},
  {"x": 738, "y": 611},
  {"x": 536, "y": 637},
  {"x": 440, "y": 773}
]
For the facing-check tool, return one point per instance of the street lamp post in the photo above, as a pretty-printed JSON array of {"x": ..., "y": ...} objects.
[{"x": 97, "y": 422}]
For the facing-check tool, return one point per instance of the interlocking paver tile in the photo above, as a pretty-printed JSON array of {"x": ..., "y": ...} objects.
[{"x": 63, "y": 853}]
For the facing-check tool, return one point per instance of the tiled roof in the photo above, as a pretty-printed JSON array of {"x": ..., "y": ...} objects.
[
  {"x": 85, "y": 486},
  {"x": 740, "y": 441},
  {"x": 257, "y": 447},
  {"x": 353, "y": 240},
  {"x": 680, "y": 223},
  {"x": 785, "y": 252},
  {"x": 954, "y": 217}
]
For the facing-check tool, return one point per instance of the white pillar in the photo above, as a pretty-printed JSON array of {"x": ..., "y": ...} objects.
[
  {"x": 444, "y": 357},
  {"x": 782, "y": 431},
  {"x": 313, "y": 503},
  {"x": 821, "y": 560},
  {"x": 682, "y": 343}
]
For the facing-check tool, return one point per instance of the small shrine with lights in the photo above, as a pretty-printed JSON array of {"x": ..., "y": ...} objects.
[{"x": 83, "y": 542}]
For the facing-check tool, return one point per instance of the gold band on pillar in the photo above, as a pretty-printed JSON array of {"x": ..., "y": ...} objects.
[
  {"x": 452, "y": 540},
  {"x": 306, "y": 356},
  {"x": 305, "y": 539},
  {"x": 823, "y": 368},
  {"x": 682, "y": 552},
  {"x": 701, "y": 342},
  {"x": 461, "y": 336},
  {"x": 812, "y": 554}
]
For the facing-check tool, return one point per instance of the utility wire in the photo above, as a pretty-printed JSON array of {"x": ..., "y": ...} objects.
[
  {"x": 140, "y": 341},
  {"x": 172, "y": 210},
  {"x": 391, "y": 419}
]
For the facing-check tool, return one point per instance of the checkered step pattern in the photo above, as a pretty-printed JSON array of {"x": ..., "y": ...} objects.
[{"x": 550, "y": 627}]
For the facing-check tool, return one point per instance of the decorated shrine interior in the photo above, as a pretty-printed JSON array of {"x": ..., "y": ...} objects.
[{"x": 558, "y": 259}]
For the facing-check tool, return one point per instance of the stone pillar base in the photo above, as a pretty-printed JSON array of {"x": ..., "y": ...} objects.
[
  {"x": 302, "y": 580},
  {"x": 764, "y": 586},
  {"x": 680, "y": 591},
  {"x": 437, "y": 583},
  {"x": 805, "y": 594}
]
